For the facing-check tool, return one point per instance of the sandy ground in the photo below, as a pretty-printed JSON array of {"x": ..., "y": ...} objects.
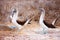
[
  {"x": 8, "y": 35},
  {"x": 27, "y": 33}
]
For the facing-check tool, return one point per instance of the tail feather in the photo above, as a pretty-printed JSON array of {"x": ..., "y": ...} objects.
[{"x": 54, "y": 21}]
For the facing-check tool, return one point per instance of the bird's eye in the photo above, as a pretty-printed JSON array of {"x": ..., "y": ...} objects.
[
  {"x": 14, "y": 10},
  {"x": 42, "y": 9}
]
